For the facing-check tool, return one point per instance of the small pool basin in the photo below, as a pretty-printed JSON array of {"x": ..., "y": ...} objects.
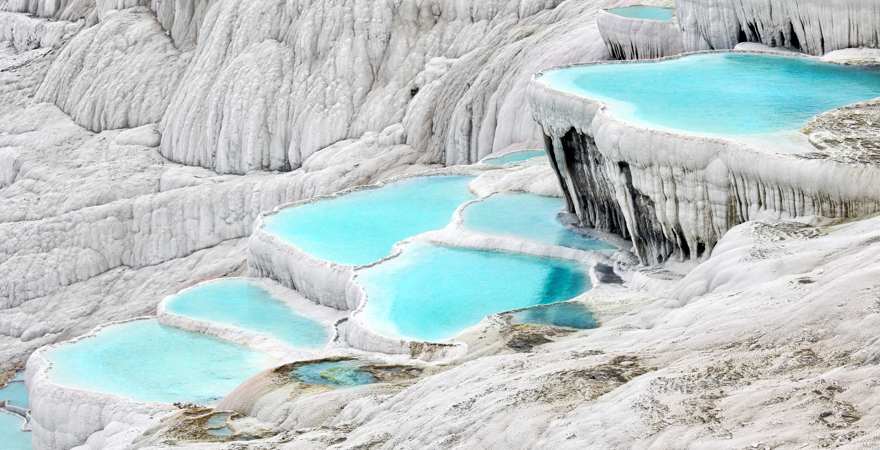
[
  {"x": 361, "y": 227},
  {"x": 11, "y": 435},
  {"x": 565, "y": 314},
  {"x": 243, "y": 304},
  {"x": 149, "y": 362},
  {"x": 527, "y": 216},
  {"x": 432, "y": 293},
  {"x": 514, "y": 158},
  {"x": 333, "y": 373},
  {"x": 642, "y": 12},
  {"x": 15, "y": 392}
]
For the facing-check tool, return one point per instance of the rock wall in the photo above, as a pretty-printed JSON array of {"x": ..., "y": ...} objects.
[
  {"x": 265, "y": 94},
  {"x": 675, "y": 195},
  {"x": 116, "y": 74},
  {"x": 629, "y": 38},
  {"x": 812, "y": 26}
]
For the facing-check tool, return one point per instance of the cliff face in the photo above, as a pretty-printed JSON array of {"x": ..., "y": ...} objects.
[
  {"x": 243, "y": 86},
  {"x": 811, "y": 26}
]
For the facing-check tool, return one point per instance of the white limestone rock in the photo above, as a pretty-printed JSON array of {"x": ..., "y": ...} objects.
[
  {"x": 117, "y": 74},
  {"x": 145, "y": 136},
  {"x": 811, "y": 26}
]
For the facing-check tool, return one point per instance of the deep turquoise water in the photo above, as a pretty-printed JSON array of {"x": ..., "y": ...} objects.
[
  {"x": 362, "y": 227},
  {"x": 568, "y": 314},
  {"x": 432, "y": 293},
  {"x": 644, "y": 12},
  {"x": 146, "y": 361},
  {"x": 721, "y": 93},
  {"x": 515, "y": 157},
  {"x": 11, "y": 436},
  {"x": 527, "y": 216},
  {"x": 245, "y": 305},
  {"x": 334, "y": 373},
  {"x": 15, "y": 392}
]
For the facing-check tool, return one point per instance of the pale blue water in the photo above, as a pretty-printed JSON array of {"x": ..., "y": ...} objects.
[
  {"x": 644, "y": 12},
  {"x": 432, "y": 293},
  {"x": 334, "y": 373},
  {"x": 514, "y": 157},
  {"x": 11, "y": 436},
  {"x": 721, "y": 93},
  {"x": 146, "y": 361},
  {"x": 362, "y": 227},
  {"x": 15, "y": 392},
  {"x": 245, "y": 305},
  {"x": 527, "y": 216},
  {"x": 567, "y": 314}
]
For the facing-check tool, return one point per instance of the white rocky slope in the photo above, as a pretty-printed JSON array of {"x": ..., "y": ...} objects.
[{"x": 77, "y": 203}]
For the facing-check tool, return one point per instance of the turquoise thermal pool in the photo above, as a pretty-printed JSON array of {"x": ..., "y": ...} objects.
[
  {"x": 514, "y": 157},
  {"x": 245, "y": 305},
  {"x": 432, "y": 293},
  {"x": 361, "y": 227},
  {"x": 644, "y": 12},
  {"x": 566, "y": 314},
  {"x": 527, "y": 216},
  {"x": 11, "y": 435},
  {"x": 146, "y": 361},
  {"x": 334, "y": 373},
  {"x": 720, "y": 93},
  {"x": 15, "y": 392}
]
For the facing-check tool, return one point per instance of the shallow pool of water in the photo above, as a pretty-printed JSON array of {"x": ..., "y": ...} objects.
[
  {"x": 245, "y": 305},
  {"x": 567, "y": 314},
  {"x": 514, "y": 157},
  {"x": 721, "y": 93},
  {"x": 432, "y": 293},
  {"x": 334, "y": 373},
  {"x": 644, "y": 12},
  {"x": 362, "y": 227},
  {"x": 146, "y": 361},
  {"x": 15, "y": 392},
  {"x": 11, "y": 436},
  {"x": 527, "y": 216}
]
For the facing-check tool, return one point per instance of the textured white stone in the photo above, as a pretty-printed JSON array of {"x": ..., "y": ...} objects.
[
  {"x": 629, "y": 38},
  {"x": 812, "y": 26},
  {"x": 117, "y": 74}
]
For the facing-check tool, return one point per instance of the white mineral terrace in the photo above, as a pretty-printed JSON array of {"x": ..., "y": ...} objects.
[{"x": 697, "y": 186}]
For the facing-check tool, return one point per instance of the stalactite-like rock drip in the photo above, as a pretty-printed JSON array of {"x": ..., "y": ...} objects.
[
  {"x": 812, "y": 26},
  {"x": 675, "y": 195},
  {"x": 629, "y": 38}
]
